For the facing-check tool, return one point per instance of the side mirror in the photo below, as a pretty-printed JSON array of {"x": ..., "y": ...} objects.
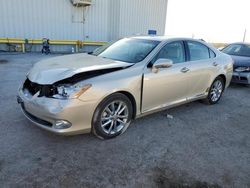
[{"x": 162, "y": 63}]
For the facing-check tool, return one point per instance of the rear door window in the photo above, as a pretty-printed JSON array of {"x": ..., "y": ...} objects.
[
  {"x": 212, "y": 54},
  {"x": 198, "y": 51}
]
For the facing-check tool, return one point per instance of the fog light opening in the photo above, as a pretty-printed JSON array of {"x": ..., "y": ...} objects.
[{"x": 61, "y": 124}]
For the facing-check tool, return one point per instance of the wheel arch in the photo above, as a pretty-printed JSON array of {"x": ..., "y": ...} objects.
[
  {"x": 221, "y": 76},
  {"x": 132, "y": 99},
  {"x": 224, "y": 79},
  {"x": 128, "y": 94}
]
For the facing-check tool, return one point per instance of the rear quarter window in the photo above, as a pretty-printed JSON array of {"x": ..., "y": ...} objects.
[{"x": 211, "y": 54}]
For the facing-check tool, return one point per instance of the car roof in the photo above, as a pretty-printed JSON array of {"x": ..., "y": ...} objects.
[
  {"x": 240, "y": 43},
  {"x": 170, "y": 39},
  {"x": 165, "y": 38},
  {"x": 153, "y": 37}
]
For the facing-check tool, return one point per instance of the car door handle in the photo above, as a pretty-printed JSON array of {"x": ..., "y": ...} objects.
[
  {"x": 215, "y": 64},
  {"x": 184, "y": 70}
]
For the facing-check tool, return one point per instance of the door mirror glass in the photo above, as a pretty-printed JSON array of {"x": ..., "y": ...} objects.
[{"x": 162, "y": 63}]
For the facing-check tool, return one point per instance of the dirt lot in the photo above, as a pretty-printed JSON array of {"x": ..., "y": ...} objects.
[{"x": 201, "y": 146}]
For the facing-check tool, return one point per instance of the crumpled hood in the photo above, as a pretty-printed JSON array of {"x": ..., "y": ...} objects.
[
  {"x": 58, "y": 68},
  {"x": 241, "y": 61}
]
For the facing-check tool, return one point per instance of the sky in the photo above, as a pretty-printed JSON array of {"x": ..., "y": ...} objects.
[{"x": 212, "y": 20}]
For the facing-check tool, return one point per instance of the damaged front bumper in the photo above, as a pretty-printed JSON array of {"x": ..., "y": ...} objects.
[
  {"x": 65, "y": 117},
  {"x": 241, "y": 77}
]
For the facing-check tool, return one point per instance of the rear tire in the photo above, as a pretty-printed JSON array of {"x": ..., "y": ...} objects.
[
  {"x": 112, "y": 116},
  {"x": 215, "y": 91}
]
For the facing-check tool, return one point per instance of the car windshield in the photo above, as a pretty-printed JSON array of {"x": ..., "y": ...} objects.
[
  {"x": 237, "y": 49},
  {"x": 127, "y": 50}
]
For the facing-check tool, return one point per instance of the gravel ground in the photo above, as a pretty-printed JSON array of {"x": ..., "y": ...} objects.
[{"x": 201, "y": 146}]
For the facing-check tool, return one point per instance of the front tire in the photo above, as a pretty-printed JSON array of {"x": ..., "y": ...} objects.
[
  {"x": 215, "y": 91},
  {"x": 112, "y": 116}
]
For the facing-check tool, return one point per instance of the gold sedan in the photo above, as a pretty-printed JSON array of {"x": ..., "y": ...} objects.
[{"x": 104, "y": 91}]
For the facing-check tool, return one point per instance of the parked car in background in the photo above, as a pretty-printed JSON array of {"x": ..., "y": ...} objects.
[
  {"x": 240, "y": 52},
  {"x": 103, "y": 92}
]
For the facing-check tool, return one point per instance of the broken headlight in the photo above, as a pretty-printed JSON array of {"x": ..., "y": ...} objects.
[{"x": 71, "y": 91}]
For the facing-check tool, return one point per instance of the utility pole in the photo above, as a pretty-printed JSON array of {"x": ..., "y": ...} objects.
[{"x": 244, "y": 37}]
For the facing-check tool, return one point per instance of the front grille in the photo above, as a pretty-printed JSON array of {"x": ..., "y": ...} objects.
[
  {"x": 239, "y": 78},
  {"x": 36, "y": 119},
  {"x": 44, "y": 90},
  {"x": 33, "y": 88}
]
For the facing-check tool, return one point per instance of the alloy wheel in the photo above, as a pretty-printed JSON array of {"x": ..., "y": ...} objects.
[
  {"x": 114, "y": 117},
  {"x": 216, "y": 90}
]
